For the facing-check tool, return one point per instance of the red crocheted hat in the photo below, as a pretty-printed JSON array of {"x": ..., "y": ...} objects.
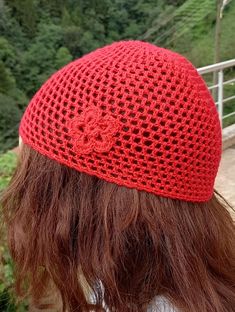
[{"x": 133, "y": 114}]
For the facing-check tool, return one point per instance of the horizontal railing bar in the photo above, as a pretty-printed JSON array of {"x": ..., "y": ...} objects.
[
  {"x": 229, "y": 81},
  {"x": 224, "y": 83},
  {"x": 213, "y": 87},
  {"x": 228, "y": 115},
  {"x": 216, "y": 67},
  {"x": 228, "y": 99}
]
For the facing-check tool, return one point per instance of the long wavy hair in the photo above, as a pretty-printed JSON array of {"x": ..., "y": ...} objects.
[{"x": 103, "y": 247}]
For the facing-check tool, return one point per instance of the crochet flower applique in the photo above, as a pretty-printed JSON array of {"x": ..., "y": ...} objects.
[{"x": 93, "y": 132}]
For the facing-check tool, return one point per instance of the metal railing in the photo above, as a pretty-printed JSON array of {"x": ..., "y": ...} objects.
[{"x": 219, "y": 85}]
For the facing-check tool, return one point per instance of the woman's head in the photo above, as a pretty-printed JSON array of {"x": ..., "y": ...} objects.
[{"x": 112, "y": 200}]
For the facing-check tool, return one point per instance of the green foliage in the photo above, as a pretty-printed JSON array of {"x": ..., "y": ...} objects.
[
  {"x": 7, "y": 81},
  {"x": 25, "y": 13},
  {"x": 7, "y": 166},
  {"x": 62, "y": 57},
  {"x": 71, "y": 39},
  {"x": 7, "y": 61},
  {"x": 10, "y": 27},
  {"x": 7, "y": 53},
  {"x": 201, "y": 50},
  {"x": 38, "y": 62},
  {"x": 190, "y": 17},
  {"x": 9, "y": 122}
]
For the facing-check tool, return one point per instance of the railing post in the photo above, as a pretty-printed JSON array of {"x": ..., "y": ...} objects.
[{"x": 220, "y": 95}]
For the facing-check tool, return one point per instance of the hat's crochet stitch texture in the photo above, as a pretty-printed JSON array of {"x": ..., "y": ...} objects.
[{"x": 133, "y": 114}]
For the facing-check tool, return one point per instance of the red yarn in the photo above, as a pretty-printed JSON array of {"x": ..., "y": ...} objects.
[
  {"x": 133, "y": 114},
  {"x": 92, "y": 131}
]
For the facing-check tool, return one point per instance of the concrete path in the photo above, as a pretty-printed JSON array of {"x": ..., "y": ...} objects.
[{"x": 225, "y": 181}]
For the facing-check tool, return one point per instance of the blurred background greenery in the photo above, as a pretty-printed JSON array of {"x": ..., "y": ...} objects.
[{"x": 37, "y": 37}]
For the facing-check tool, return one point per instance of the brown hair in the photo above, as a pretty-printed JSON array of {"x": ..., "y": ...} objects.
[{"x": 128, "y": 246}]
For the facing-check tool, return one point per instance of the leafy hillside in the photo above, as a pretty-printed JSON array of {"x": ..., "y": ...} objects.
[
  {"x": 201, "y": 50},
  {"x": 37, "y": 37},
  {"x": 184, "y": 19}
]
